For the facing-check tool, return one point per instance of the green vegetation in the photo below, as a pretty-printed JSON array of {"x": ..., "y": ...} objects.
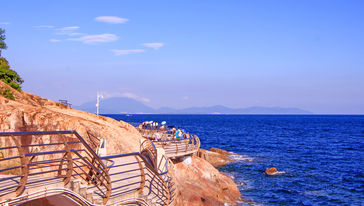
[
  {"x": 7, "y": 93},
  {"x": 7, "y": 75},
  {"x": 2, "y": 40}
]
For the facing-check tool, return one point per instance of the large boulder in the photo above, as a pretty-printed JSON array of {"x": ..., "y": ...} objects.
[
  {"x": 271, "y": 171},
  {"x": 221, "y": 151},
  {"x": 199, "y": 183},
  {"x": 215, "y": 159}
]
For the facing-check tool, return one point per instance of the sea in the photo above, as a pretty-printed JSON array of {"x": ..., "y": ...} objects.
[{"x": 321, "y": 157}]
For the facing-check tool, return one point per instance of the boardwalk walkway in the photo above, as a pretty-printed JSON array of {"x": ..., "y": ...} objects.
[{"x": 173, "y": 148}]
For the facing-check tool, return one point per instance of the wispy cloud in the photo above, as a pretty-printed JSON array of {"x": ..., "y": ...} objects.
[
  {"x": 43, "y": 27},
  {"x": 186, "y": 98},
  {"x": 75, "y": 34},
  {"x": 54, "y": 40},
  {"x": 155, "y": 45},
  {"x": 68, "y": 30},
  {"x": 134, "y": 96},
  {"x": 119, "y": 52},
  {"x": 127, "y": 95},
  {"x": 4, "y": 23},
  {"x": 111, "y": 19},
  {"x": 98, "y": 38}
]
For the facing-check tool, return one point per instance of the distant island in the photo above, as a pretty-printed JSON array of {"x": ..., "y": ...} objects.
[{"x": 123, "y": 105}]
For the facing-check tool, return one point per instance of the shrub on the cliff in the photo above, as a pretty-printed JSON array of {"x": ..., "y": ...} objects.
[
  {"x": 2, "y": 40},
  {"x": 7, "y": 75},
  {"x": 7, "y": 93}
]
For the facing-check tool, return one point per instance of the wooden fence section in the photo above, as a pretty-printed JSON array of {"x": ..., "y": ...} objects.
[{"x": 33, "y": 161}]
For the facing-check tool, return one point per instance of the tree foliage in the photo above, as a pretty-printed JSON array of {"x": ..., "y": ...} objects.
[
  {"x": 2, "y": 39},
  {"x": 8, "y": 75}
]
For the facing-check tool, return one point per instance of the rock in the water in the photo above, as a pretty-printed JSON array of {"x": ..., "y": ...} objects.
[
  {"x": 271, "y": 171},
  {"x": 215, "y": 159},
  {"x": 221, "y": 151}
]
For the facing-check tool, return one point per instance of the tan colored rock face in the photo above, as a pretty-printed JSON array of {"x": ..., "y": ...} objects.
[
  {"x": 215, "y": 159},
  {"x": 32, "y": 113},
  {"x": 201, "y": 184},
  {"x": 220, "y": 151}
]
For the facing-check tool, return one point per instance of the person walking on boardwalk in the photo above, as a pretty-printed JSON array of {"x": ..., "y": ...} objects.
[{"x": 178, "y": 134}]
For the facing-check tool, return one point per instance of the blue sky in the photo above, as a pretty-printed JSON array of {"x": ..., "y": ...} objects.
[{"x": 305, "y": 54}]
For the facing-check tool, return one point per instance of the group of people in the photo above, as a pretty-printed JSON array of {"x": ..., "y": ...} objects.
[
  {"x": 171, "y": 131},
  {"x": 149, "y": 125}
]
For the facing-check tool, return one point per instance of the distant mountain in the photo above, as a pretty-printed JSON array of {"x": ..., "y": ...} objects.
[
  {"x": 218, "y": 109},
  {"x": 117, "y": 105}
]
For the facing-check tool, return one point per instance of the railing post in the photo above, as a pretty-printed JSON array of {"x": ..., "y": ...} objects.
[
  {"x": 24, "y": 169},
  {"x": 69, "y": 162},
  {"x": 176, "y": 147},
  {"x": 140, "y": 190}
]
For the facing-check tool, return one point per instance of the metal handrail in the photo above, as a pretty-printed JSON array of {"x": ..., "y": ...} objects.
[
  {"x": 87, "y": 165},
  {"x": 163, "y": 171},
  {"x": 173, "y": 147},
  {"x": 42, "y": 193},
  {"x": 157, "y": 187},
  {"x": 83, "y": 162}
]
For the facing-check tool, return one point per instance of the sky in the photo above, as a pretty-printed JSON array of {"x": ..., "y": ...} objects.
[{"x": 307, "y": 54}]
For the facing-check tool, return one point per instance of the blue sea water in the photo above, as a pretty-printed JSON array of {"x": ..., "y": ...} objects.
[{"x": 322, "y": 155}]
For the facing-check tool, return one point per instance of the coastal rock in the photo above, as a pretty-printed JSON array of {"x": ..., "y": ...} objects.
[
  {"x": 272, "y": 171},
  {"x": 216, "y": 159},
  {"x": 201, "y": 184},
  {"x": 221, "y": 151},
  {"x": 33, "y": 113}
]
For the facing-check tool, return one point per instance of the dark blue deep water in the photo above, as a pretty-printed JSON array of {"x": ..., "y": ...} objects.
[{"x": 323, "y": 156}]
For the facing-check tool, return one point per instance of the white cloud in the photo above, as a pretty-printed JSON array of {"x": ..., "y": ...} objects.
[
  {"x": 119, "y": 52},
  {"x": 75, "y": 34},
  {"x": 68, "y": 28},
  {"x": 134, "y": 96},
  {"x": 54, "y": 40},
  {"x": 127, "y": 95},
  {"x": 43, "y": 27},
  {"x": 4, "y": 23},
  {"x": 186, "y": 98},
  {"x": 155, "y": 45},
  {"x": 111, "y": 19},
  {"x": 98, "y": 38}
]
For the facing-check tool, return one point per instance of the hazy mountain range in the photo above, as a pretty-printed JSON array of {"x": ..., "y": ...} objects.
[{"x": 118, "y": 105}]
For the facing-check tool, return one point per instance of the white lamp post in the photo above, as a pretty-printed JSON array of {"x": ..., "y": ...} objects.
[{"x": 99, "y": 96}]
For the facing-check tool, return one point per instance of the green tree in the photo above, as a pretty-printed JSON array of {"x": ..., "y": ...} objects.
[
  {"x": 8, "y": 75},
  {"x": 2, "y": 40}
]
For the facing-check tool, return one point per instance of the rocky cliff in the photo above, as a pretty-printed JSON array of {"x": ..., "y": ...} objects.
[{"x": 198, "y": 183}]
